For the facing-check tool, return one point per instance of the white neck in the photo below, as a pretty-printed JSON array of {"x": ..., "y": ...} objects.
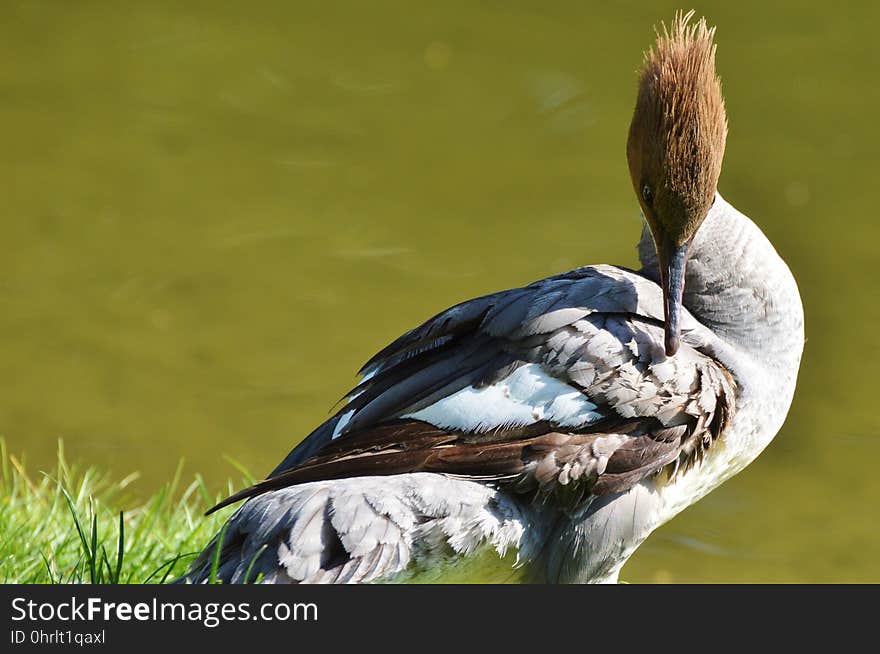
[{"x": 738, "y": 286}]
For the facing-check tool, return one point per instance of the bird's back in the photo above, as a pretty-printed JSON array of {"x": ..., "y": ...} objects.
[{"x": 498, "y": 424}]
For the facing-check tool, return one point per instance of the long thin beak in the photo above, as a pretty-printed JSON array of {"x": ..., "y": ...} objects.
[{"x": 673, "y": 259}]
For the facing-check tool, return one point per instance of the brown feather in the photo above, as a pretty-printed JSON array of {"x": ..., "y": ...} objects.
[
  {"x": 679, "y": 129},
  {"x": 550, "y": 459}
]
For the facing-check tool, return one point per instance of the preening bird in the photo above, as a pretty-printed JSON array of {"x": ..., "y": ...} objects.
[{"x": 558, "y": 424}]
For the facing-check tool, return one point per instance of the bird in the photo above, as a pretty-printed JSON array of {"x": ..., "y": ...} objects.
[{"x": 552, "y": 427}]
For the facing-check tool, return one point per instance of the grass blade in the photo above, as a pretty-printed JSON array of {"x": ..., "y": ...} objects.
[{"x": 149, "y": 543}]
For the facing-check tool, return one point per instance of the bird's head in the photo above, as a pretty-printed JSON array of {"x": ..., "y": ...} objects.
[{"x": 675, "y": 148}]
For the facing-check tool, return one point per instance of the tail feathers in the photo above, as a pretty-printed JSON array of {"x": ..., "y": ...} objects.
[{"x": 358, "y": 530}]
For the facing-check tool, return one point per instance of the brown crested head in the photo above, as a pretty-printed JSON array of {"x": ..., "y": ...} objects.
[
  {"x": 675, "y": 148},
  {"x": 678, "y": 131}
]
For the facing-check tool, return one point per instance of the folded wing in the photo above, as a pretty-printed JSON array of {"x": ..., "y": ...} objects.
[{"x": 561, "y": 387}]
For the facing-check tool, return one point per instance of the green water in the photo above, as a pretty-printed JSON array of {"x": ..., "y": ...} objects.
[{"x": 212, "y": 214}]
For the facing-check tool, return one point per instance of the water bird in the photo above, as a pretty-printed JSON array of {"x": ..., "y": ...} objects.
[{"x": 553, "y": 426}]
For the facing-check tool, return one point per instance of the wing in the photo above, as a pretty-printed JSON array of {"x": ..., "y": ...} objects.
[{"x": 561, "y": 386}]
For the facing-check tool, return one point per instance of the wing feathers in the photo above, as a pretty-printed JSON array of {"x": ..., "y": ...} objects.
[{"x": 600, "y": 406}]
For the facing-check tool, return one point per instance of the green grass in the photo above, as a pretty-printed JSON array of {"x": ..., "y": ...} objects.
[{"x": 75, "y": 525}]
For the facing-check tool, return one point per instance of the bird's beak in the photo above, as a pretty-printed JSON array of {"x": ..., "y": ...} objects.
[{"x": 672, "y": 259}]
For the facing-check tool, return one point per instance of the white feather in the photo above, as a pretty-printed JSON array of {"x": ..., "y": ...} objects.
[
  {"x": 525, "y": 397},
  {"x": 343, "y": 420},
  {"x": 345, "y": 417}
]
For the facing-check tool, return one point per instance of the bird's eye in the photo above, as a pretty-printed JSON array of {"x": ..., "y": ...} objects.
[{"x": 647, "y": 195}]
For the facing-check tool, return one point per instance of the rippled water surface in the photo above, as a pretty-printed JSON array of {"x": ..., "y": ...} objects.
[{"x": 213, "y": 214}]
